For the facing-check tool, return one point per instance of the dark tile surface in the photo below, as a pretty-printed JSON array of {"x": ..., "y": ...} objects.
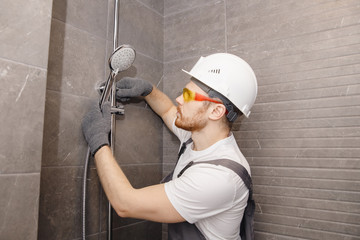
[
  {"x": 140, "y": 231},
  {"x": 172, "y": 7},
  {"x": 198, "y": 31},
  {"x": 139, "y": 176},
  {"x": 25, "y": 30},
  {"x": 155, "y": 5},
  {"x": 79, "y": 50},
  {"x": 76, "y": 60},
  {"x": 138, "y": 137},
  {"x": 22, "y": 113},
  {"x": 64, "y": 144},
  {"x": 60, "y": 215},
  {"x": 89, "y": 15},
  {"x": 142, "y": 28},
  {"x": 19, "y": 204}
]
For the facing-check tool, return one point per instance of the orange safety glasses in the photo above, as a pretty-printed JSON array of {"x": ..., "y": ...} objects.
[{"x": 189, "y": 95}]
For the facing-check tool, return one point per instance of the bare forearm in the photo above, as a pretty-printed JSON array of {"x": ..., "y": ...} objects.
[
  {"x": 159, "y": 101},
  {"x": 162, "y": 105},
  {"x": 150, "y": 203},
  {"x": 114, "y": 182}
]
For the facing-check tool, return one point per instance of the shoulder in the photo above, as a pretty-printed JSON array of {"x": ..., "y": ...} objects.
[
  {"x": 208, "y": 183},
  {"x": 201, "y": 192}
]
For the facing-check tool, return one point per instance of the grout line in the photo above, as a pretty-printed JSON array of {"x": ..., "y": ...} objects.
[
  {"x": 192, "y": 8},
  {"x": 151, "y": 9},
  {"x": 20, "y": 173},
  {"x": 181, "y": 59},
  {"x": 144, "y": 55},
  {"x": 305, "y": 198},
  {"x": 82, "y": 30},
  {"x": 23, "y": 64}
]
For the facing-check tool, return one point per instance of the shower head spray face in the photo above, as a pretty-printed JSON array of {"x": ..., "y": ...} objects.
[{"x": 122, "y": 58}]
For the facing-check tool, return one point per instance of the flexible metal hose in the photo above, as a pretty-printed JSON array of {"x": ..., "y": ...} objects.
[{"x": 84, "y": 193}]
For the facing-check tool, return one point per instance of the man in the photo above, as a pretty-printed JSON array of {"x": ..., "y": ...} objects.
[{"x": 212, "y": 197}]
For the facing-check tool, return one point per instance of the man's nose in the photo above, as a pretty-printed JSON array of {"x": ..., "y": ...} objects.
[{"x": 180, "y": 99}]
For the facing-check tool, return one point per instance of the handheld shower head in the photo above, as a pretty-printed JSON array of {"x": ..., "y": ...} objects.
[{"x": 122, "y": 58}]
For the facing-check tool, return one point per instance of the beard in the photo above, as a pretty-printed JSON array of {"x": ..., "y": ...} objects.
[{"x": 192, "y": 124}]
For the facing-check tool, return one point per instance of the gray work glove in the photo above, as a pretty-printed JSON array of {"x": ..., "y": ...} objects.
[
  {"x": 132, "y": 87},
  {"x": 96, "y": 126}
]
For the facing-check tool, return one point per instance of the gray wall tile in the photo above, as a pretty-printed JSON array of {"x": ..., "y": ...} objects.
[
  {"x": 302, "y": 137},
  {"x": 22, "y": 111},
  {"x": 150, "y": 175},
  {"x": 77, "y": 64},
  {"x": 195, "y": 32},
  {"x": 63, "y": 138},
  {"x": 142, "y": 28},
  {"x": 156, "y": 5},
  {"x": 150, "y": 12},
  {"x": 76, "y": 60},
  {"x": 19, "y": 205},
  {"x": 143, "y": 230},
  {"x": 24, "y": 44},
  {"x": 25, "y": 30},
  {"x": 86, "y": 15},
  {"x": 60, "y": 214},
  {"x": 175, "y": 6},
  {"x": 138, "y": 135}
]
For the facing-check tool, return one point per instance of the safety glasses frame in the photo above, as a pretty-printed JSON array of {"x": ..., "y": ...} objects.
[{"x": 189, "y": 96}]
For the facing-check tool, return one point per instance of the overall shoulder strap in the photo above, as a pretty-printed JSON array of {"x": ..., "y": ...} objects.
[
  {"x": 183, "y": 147},
  {"x": 247, "y": 223},
  {"x": 181, "y": 151}
]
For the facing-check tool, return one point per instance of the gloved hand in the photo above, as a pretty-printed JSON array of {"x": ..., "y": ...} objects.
[
  {"x": 132, "y": 87},
  {"x": 96, "y": 126}
]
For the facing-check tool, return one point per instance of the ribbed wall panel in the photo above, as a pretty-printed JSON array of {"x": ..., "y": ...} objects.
[{"x": 303, "y": 137}]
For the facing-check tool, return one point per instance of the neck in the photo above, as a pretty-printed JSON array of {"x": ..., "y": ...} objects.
[{"x": 208, "y": 136}]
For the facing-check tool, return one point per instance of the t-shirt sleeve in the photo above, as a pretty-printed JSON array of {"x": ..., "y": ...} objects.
[{"x": 202, "y": 191}]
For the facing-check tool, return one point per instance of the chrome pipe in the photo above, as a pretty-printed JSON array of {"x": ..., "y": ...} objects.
[
  {"x": 113, "y": 103},
  {"x": 116, "y": 23}
]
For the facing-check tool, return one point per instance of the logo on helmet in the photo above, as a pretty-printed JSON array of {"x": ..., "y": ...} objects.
[{"x": 214, "y": 71}]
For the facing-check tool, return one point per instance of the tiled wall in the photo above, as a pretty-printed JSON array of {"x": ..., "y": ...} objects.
[
  {"x": 139, "y": 131},
  {"x": 80, "y": 44},
  {"x": 24, "y": 41},
  {"x": 302, "y": 139}
]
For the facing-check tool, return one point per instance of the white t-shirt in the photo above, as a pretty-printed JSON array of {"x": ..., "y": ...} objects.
[{"x": 213, "y": 197}]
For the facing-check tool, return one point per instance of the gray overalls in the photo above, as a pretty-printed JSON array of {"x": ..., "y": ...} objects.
[{"x": 188, "y": 231}]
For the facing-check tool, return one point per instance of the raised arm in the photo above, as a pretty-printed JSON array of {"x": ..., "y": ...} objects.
[
  {"x": 150, "y": 203},
  {"x": 158, "y": 101},
  {"x": 162, "y": 105}
]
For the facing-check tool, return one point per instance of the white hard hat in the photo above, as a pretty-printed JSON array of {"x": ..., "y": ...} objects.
[{"x": 229, "y": 75}]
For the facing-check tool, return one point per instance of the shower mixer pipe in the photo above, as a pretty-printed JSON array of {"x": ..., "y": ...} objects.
[{"x": 120, "y": 60}]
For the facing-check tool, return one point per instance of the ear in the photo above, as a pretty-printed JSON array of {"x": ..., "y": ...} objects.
[{"x": 217, "y": 111}]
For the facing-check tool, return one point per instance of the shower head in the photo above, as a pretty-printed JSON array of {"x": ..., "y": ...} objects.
[{"x": 122, "y": 58}]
